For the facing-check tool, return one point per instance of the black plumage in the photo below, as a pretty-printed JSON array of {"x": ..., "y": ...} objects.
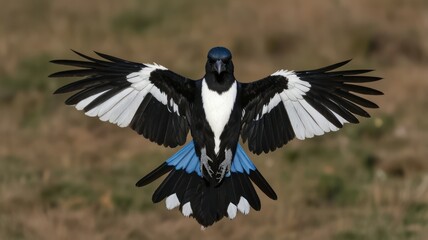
[
  {"x": 329, "y": 91},
  {"x": 212, "y": 177}
]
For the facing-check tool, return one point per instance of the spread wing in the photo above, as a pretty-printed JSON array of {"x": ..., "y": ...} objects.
[
  {"x": 149, "y": 98},
  {"x": 302, "y": 104}
]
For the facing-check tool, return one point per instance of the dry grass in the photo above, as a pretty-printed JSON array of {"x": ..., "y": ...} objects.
[{"x": 64, "y": 176}]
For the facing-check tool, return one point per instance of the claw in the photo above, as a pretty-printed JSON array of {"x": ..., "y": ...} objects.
[
  {"x": 225, "y": 165},
  {"x": 222, "y": 171},
  {"x": 205, "y": 162}
]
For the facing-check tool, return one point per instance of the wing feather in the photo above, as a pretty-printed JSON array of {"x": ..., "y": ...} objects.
[
  {"x": 302, "y": 104},
  {"x": 149, "y": 98}
]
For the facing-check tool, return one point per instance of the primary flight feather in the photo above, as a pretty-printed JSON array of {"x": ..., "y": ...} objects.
[{"x": 211, "y": 177}]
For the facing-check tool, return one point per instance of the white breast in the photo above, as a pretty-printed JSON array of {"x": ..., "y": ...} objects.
[{"x": 218, "y": 108}]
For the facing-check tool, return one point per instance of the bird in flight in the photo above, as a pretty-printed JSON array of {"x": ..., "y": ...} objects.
[{"x": 212, "y": 177}]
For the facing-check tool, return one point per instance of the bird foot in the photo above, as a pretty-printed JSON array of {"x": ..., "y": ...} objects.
[
  {"x": 205, "y": 162},
  {"x": 224, "y": 166}
]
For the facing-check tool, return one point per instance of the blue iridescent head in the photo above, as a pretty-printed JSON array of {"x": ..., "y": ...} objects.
[
  {"x": 219, "y": 60},
  {"x": 219, "y": 53}
]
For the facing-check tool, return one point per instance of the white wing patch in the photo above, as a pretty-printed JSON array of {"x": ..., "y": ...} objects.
[
  {"x": 144, "y": 73},
  {"x": 85, "y": 102},
  {"x": 305, "y": 120},
  {"x": 121, "y": 108},
  {"x": 268, "y": 107}
]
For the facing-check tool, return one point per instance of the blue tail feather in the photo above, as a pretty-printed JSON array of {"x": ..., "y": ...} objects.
[
  {"x": 186, "y": 159},
  {"x": 186, "y": 188},
  {"x": 241, "y": 162}
]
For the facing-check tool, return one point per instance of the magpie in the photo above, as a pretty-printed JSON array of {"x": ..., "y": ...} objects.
[{"x": 212, "y": 177}]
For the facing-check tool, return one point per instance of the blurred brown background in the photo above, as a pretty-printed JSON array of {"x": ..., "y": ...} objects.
[{"x": 67, "y": 176}]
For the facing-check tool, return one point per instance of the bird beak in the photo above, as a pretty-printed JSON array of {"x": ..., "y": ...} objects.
[{"x": 219, "y": 66}]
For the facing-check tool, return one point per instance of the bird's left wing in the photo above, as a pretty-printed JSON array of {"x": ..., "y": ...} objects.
[
  {"x": 302, "y": 104},
  {"x": 149, "y": 98}
]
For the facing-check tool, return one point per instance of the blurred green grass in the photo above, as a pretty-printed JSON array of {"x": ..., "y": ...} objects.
[
  {"x": 30, "y": 77},
  {"x": 65, "y": 176}
]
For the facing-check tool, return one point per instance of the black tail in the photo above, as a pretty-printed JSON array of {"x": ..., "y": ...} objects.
[{"x": 185, "y": 188}]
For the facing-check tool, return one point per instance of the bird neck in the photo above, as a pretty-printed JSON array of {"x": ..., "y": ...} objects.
[{"x": 219, "y": 82}]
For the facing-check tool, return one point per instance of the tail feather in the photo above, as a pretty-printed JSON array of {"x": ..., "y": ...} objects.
[
  {"x": 155, "y": 174},
  {"x": 261, "y": 182},
  {"x": 184, "y": 187},
  {"x": 247, "y": 191}
]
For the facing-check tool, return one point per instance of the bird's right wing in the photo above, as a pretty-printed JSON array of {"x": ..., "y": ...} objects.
[
  {"x": 302, "y": 104},
  {"x": 149, "y": 98}
]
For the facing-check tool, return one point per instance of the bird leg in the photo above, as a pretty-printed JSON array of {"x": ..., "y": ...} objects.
[
  {"x": 204, "y": 162},
  {"x": 225, "y": 165}
]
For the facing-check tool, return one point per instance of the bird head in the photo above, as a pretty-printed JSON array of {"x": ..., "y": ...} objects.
[{"x": 219, "y": 60}]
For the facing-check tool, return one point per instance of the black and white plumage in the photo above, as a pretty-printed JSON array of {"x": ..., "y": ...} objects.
[{"x": 211, "y": 177}]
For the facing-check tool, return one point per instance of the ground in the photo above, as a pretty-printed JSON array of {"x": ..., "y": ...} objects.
[{"x": 67, "y": 176}]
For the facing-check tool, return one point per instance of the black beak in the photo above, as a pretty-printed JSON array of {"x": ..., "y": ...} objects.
[{"x": 219, "y": 66}]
